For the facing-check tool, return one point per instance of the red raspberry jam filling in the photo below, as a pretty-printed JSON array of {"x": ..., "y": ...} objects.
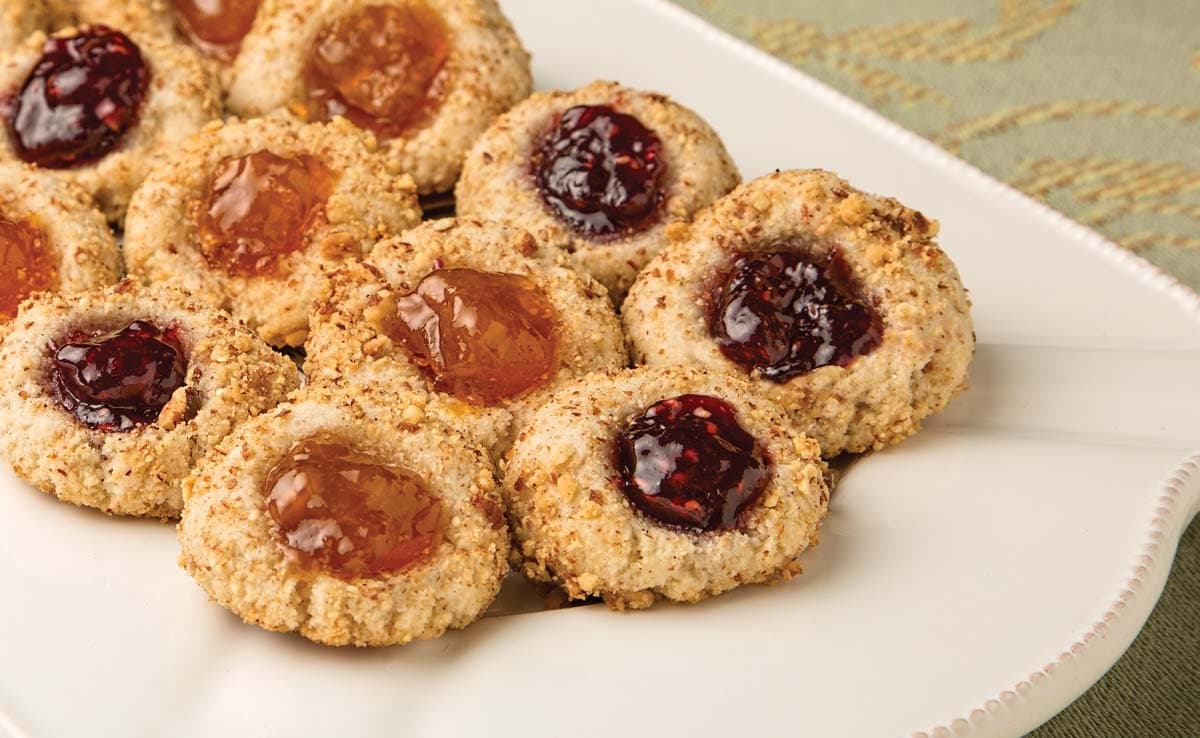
[
  {"x": 342, "y": 511},
  {"x": 687, "y": 462},
  {"x": 79, "y": 100},
  {"x": 481, "y": 336},
  {"x": 27, "y": 263},
  {"x": 258, "y": 209},
  {"x": 600, "y": 171},
  {"x": 215, "y": 27},
  {"x": 783, "y": 314},
  {"x": 118, "y": 381},
  {"x": 380, "y": 66}
]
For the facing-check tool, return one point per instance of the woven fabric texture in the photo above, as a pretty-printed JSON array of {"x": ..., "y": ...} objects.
[{"x": 1092, "y": 106}]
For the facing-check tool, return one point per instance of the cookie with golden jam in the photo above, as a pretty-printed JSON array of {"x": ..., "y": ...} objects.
[
  {"x": 327, "y": 520},
  {"x": 248, "y": 216},
  {"x": 215, "y": 28},
  {"x": 426, "y": 76},
  {"x": 52, "y": 238},
  {"x": 477, "y": 315}
]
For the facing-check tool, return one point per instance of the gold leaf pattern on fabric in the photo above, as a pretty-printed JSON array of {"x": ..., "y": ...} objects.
[
  {"x": 1090, "y": 106},
  {"x": 1106, "y": 192},
  {"x": 953, "y": 137}
]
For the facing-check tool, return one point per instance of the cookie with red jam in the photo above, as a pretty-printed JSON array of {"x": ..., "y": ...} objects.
[
  {"x": 52, "y": 238},
  {"x": 110, "y": 397},
  {"x": 134, "y": 98},
  {"x": 598, "y": 172},
  {"x": 662, "y": 484},
  {"x": 344, "y": 526},
  {"x": 425, "y": 76},
  {"x": 248, "y": 217},
  {"x": 476, "y": 315},
  {"x": 837, "y": 304}
]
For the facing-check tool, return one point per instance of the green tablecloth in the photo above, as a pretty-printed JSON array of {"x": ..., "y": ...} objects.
[{"x": 1093, "y": 107}]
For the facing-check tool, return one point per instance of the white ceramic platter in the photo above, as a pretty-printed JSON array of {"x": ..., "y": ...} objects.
[{"x": 970, "y": 582}]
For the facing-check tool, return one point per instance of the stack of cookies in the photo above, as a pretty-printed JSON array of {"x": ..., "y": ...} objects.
[{"x": 612, "y": 367}]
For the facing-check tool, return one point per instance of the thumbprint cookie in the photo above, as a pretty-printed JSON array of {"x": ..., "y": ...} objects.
[
  {"x": 478, "y": 314},
  {"x": 110, "y": 397},
  {"x": 598, "y": 172},
  {"x": 837, "y": 304},
  {"x": 52, "y": 239},
  {"x": 215, "y": 28},
  {"x": 247, "y": 216},
  {"x": 132, "y": 99},
  {"x": 20, "y": 18},
  {"x": 426, "y": 76},
  {"x": 673, "y": 484},
  {"x": 326, "y": 520}
]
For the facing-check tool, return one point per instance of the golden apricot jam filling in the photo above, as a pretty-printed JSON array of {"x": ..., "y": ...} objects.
[
  {"x": 215, "y": 27},
  {"x": 345, "y": 512},
  {"x": 481, "y": 336},
  {"x": 381, "y": 66},
  {"x": 258, "y": 209},
  {"x": 28, "y": 265}
]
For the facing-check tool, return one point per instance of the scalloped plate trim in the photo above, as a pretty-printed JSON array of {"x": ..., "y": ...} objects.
[{"x": 1035, "y": 699}]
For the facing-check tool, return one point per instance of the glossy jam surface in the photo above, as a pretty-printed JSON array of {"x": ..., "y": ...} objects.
[
  {"x": 346, "y": 513},
  {"x": 258, "y": 209},
  {"x": 380, "y": 66},
  {"x": 687, "y": 462},
  {"x": 784, "y": 315},
  {"x": 481, "y": 336},
  {"x": 79, "y": 100},
  {"x": 118, "y": 381},
  {"x": 27, "y": 264},
  {"x": 601, "y": 171},
  {"x": 215, "y": 27}
]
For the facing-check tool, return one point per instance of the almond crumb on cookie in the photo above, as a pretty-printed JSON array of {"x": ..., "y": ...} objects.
[
  {"x": 599, "y": 174},
  {"x": 250, "y": 215},
  {"x": 111, "y": 396},
  {"x": 837, "y": 304},
  {"x": 679, "y": 485},
  {"x": 462, "y": 66},
  {"x": 329, "y": 520}
]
